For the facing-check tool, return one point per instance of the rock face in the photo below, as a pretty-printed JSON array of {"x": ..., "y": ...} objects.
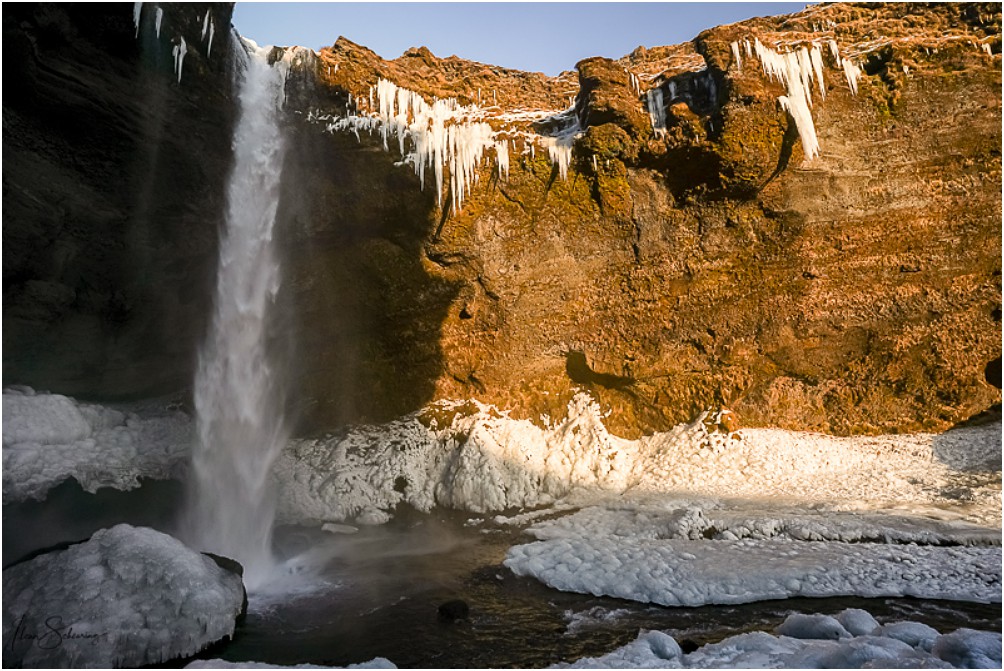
[
  {"x": 705, "y": 264},
  {"x": 113, "y": 182}
]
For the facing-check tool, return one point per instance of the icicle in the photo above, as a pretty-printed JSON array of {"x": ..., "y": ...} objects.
[
  {"x": 205, "y": 25},
  {"x": 835, "y": 52},
  {"x": 656, "y": 111},
  {"x": 816, "y": 56},
  {"x": 749, "y": 48},
  {"x": 735, "y": 55},
  {"x": 157, "y": 21},
  {"x": 986, "y": 48},
  {"x": 559, "y": 150},
  {"x": 502, "y": 158},
  {"x": 137, "y": 13},
  {"x": 594, "y": 163},
  {"x": 795, "y": 70},
  {"x": 212, "y": 31},
  {"x": 179, "y": 52},
  {"x": 852, "y": 72},
  {"x": 799, "y": 110}
]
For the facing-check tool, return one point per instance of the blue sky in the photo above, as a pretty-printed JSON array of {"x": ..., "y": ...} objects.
[{"x": 546, "y": 37}]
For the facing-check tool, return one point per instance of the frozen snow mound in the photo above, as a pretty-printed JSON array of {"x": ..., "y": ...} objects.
[
  {"x": 49, "y": 438},
  {"x": 468, "y": 455},
  {"x": 698, "y": 573},
  {"x": 964, "y": 648},
  {"x": 129, "y": 596}
]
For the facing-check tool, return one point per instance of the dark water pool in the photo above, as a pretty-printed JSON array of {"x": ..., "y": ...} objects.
[
  {"x": 387, "y": 582},
  {"x": 375, "y": 593}
]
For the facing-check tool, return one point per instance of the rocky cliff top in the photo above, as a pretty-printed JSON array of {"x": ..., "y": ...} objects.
[{"x": 657, "y": 229}]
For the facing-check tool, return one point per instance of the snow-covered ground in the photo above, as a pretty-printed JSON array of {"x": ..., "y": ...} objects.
[
  {"x": 129, "y": 596},
  {"x": 48, "y": 438},
  {"x": 852, "y": 640},
  {"x": 477, "y": 458}
]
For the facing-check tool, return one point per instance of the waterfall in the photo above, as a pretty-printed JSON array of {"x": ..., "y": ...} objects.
[{"x": 238, "y": 397}]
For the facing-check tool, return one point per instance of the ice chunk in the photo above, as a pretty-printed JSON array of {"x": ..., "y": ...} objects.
[
  {"x": 969, "y": 649},
  {"x": 914, "y": 634},
  {"x": 813, "y": 626},
  {"x": 857, "y": 622},
  {"x": 125, "y": 598}
]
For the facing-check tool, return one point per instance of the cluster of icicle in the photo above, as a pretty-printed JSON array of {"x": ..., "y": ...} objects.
[
  {"x": 445, "y": 136},
  {"x": 797, "y": 70},
  {"x": 181, "y": 46}
]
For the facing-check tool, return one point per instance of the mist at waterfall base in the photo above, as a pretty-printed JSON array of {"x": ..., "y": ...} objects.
[{"x": 238, "y": 389}]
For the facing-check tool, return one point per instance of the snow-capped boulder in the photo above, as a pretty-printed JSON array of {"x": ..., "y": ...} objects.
[{"x": 127, "y": 597}]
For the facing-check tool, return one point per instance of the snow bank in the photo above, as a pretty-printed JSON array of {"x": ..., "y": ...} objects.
[
  {"x": 476, "y": 458},
  {"x": 127, "y": 597},
  {"x": 697, "y": 573},
  {"x": 964, "y": 648},
  {"x": 48, "y": 438}
]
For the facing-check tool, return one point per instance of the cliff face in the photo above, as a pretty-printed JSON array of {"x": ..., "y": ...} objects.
[
  {"x": 113, "y": 190},
  {"x": 703, "y": 263}
]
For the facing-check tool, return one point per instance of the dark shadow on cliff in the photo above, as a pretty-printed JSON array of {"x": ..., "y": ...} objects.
[
  {"x": 362, "y": 306},
  {"x": 113, "y": 181}
]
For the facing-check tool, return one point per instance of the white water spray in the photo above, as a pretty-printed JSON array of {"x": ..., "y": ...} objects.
[{"x": 238, "y": 399}]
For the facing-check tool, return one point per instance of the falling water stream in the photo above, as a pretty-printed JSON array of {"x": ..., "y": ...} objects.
[{"x": 238, "y": 396}]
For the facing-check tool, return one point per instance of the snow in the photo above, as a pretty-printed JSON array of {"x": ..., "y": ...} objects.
[
  {"x": 798, "y": 625},
  {"x": 887, "y": 487},
  {"x": 676, "y": 572},
  {"x": 964, "y": 648},
  {"x": 127, "y": 597},
  {"x": 375, "y": 663},
  {"x": 48, "y": 438}
]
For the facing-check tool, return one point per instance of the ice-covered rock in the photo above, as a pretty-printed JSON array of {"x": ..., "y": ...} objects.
[
  {"x": 914, "y": 634},
  {"x": 48, "y": 438},
  {"x": 812, "y": 626},
  {"x": 127, "y": 597},
  {"x": 857, "y": 622},
  {"x": 969, "y": 649},
  {"x": 964, "y": 648}
]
